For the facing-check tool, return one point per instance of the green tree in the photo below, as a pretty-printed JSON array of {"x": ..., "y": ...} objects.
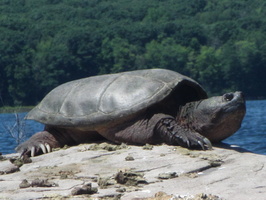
[{"x": 165, "y": 54}]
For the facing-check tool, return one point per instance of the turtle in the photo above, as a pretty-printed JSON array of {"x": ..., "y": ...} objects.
[{"x": 149, "y": 106}]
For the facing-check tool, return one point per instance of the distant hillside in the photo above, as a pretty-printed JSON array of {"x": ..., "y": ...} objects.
[{"x": 220, "y": 43}]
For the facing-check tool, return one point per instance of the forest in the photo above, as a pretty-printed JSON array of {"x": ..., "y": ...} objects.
[{"x": 219, "y": 43}]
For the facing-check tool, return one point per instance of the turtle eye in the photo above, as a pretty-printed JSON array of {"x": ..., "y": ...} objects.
[{"x": 228, "y": 96}]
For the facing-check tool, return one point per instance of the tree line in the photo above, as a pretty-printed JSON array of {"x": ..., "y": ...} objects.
[{"x": 219, "y": 43}]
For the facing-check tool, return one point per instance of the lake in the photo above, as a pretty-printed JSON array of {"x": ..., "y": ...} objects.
[{"x": 251, "y": 136}]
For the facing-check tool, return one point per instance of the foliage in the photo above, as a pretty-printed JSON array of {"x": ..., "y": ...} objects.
[{"x": 44, "y": 43}]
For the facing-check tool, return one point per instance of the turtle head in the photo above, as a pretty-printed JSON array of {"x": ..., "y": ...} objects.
[{"x": 218, "y": 117}]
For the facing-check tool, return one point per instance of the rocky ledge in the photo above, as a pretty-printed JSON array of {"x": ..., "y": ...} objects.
[{"x": 106, "y": 171}]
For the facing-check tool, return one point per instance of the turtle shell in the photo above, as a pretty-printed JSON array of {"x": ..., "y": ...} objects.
[{"x": 97, "y": 100}]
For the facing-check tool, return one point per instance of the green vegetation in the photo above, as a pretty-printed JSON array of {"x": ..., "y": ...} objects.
[
  {"x": 17, "y": 109},
  {"x": 220, "y": 43}
]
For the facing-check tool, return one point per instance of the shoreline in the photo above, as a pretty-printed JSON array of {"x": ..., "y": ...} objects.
[{"x": 16, "y": 109}]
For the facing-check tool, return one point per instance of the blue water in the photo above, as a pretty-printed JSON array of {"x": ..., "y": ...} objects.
[
  {"x": 7, "y": 122},
  {"x": 251, "y": 136}
]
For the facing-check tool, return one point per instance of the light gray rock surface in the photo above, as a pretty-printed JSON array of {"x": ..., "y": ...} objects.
[{"x": 227, "y": 172}]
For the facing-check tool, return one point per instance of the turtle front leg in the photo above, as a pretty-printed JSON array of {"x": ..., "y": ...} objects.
[
  {"x": 173, "y": 133},
  {"x": 40, "y": 143}
]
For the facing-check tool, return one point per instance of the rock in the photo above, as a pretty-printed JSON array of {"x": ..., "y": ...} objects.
[
  {"x": 42, "y": 183},
  {"x": 129, "y": 158},
  {"x": 24, "y": 184},
  {"x": 85, "y": 189},
  {"x": 148, "y": 147},
  {"x": 105, "y": 182},
  {"x": 6, "y": 167},
  {"x": 167, "y": 175},
  {"x": 226, "y": 172},
  {"x": 164, "y": 196},
  {"x": 130, "y": 178}
]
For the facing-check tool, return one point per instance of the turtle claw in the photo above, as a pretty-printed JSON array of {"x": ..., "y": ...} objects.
[
  {"x": 202, "y": 146},
  {"x": 205, "y": 144},
  {"x": 48, "y": 147},
  {"x": 36, "y": 150},
  {"x": 188, "y": 143},
  {"x": 32, "y": 152},
  {"x": 43, "y": 148},
  {"x": 208, "y": 144},
  {"x": 192, "y": 141},
  {"x": 40, "y": 143}
]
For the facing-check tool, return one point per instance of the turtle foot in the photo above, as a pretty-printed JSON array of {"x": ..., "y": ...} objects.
[
  {"x": 191, "y": 140},
  {"x": 173, "y": 133},
  {"x": 40, "y": 143}
]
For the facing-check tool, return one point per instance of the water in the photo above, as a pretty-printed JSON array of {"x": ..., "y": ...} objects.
[
  {"x": 7, "y": 122},
  {"x": 251, "y": 136}
]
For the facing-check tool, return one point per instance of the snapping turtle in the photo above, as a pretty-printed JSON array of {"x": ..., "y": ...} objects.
[{"x": 138, "y": 107}]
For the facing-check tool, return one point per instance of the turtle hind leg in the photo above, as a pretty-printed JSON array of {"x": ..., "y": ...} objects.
[
  {"x": 39, "y": 143},
  {"x": 173, "y": 133},
  {"x": 55, "y": 137}
]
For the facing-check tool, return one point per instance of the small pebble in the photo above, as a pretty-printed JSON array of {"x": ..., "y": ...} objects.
[
  {"x": 85, "y": 189},
  {"x": 24, "y": 184},
  {"x": 121, "y": 190},
  {"x": 147, "y": 147},
  {"x": 167, "y": 175},
  {"x": 129, "y": 158}
]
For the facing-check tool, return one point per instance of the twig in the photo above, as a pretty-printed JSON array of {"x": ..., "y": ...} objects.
[{"x": 17, "y": 130}]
